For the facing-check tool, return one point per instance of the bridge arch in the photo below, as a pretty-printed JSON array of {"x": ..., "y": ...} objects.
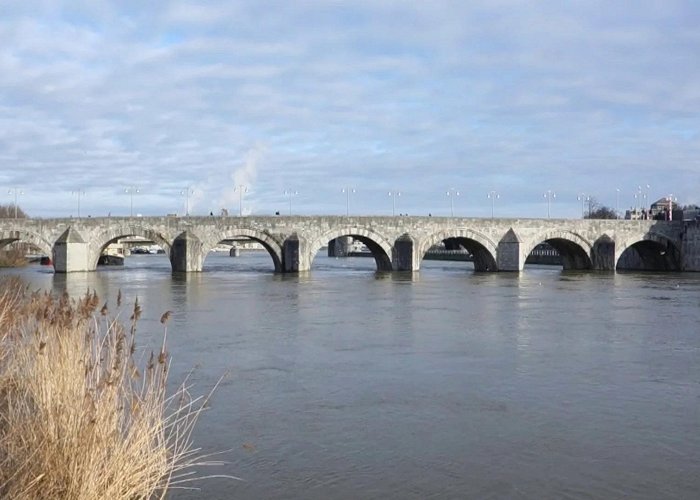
[
  {"x": 482, "y": 248},
  {"x": 650, "y": 251},
  {"x": 575, "y": 250},
  {"x": 375, "y": 242},
  {"x": 269, "y": 242},
  {"x": 25, "y": 236},
  {"x": 100, "y": 241}
]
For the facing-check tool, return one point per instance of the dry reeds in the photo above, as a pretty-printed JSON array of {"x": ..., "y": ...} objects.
[
  {"x": 78, "y": 418},
  {"x": 13, "y": 257}
]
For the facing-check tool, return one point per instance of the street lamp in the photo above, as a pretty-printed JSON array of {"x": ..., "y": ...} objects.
[
  {"x": 241, "y": 189},
  {"x": 16, "y": 192},
  {"x": 393, "y": 195},
  {"x": 186, "y": 193},
  {"x": 347, "y": 191},
  {"x": 290, "y": 194},
  {"x": 79, "y": 193},
  {"x": 617, "y": 203},
  {"x": 130, "y": 191},
  {"x": 641, "y": 196},
  {"x": 549, "y": 196},
  {"x": 670, "y": 198},
  {"x": 583, "y": 199},
  {"x": 493, "y": 195},
  {"x": 451, "y": 193}
]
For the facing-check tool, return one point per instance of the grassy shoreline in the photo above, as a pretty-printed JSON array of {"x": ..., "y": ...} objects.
[{"x": 79, "y": 418}]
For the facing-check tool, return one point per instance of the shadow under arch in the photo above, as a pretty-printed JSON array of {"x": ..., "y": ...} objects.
[
  {"x": 376, "y": 243},
  {"x": 574, "y": 250},
  {"x": 24, "y": 236},
  {"x": 481, "y": 247},
  {"x": 273, "y": 247},
  {"x": 113, "y": 233},
  {"x": 651, "y": 252}
]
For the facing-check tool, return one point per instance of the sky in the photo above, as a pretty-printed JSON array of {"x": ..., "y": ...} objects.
[{"x": 327, "y": 107}]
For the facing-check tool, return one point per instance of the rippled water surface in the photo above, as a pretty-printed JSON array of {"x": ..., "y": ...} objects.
[{"x": 344, "y": 383}]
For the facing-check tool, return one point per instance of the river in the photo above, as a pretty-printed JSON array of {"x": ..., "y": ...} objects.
[{"x": 343, "y": 383}]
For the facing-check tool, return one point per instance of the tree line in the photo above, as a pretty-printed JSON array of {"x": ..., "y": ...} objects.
[{"x": 9, "y": 211}]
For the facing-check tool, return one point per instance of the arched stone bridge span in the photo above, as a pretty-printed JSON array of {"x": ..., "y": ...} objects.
[{"x": 397, "y": 243}]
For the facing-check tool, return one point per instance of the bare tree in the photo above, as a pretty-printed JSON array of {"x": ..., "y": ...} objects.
[
  {"x": 8, "y": 212},
  {"x": 598, "y": 211}
]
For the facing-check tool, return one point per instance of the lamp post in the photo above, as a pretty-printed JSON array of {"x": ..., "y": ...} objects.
[
  {"x": 451, "y": 193},
  {"x": 186, "y": 193},
  {"x": 289, "y": 194},
  {"x": 79, "y": 193},
  {"x": 493, "y": 195},
  {"x": 130, "y": 191},
  {"x": 617, "y": 203},
  {"x": 241, "y": 189},
  {"x": 347, "y": 191},
  {"x": 549, "y": 196},
  {"x": 583, "y": 199},
  {"x": 393, "y": 195},
  {"x": 670, "y": 198},
  {"x": 642, "y": 196},
  {"x": 16, "y": 192}
]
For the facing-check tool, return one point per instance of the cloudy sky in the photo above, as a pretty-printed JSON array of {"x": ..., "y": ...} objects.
[{"x": 311, "y": 97}]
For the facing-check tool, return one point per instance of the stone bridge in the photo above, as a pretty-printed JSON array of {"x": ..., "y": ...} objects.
[{"x": 397, "y": 243}]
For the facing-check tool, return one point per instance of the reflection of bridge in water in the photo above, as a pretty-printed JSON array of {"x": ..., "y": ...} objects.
[{"x": 396, "y": 243}]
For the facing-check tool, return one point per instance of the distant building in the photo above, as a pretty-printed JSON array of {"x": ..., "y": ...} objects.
[
  {"x": 637, "y": 214},
  {"x": 690, "y": 212},
  {"x": 660, "y": 208}
]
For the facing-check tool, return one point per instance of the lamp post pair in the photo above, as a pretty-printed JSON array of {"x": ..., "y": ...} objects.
[
  {"x": 549, "y": 195},
  {"x": 641, "y": 198},
  {"x": 584, "y": 199},
  {"x": 491, "y": 195},
  {"x": 393, "y": 194}
]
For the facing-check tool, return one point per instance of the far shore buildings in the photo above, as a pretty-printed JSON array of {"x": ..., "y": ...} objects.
[{"x": 664, "y": 209}]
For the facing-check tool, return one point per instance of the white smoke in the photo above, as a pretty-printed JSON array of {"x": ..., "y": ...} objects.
[
  {"x": 242, "y": 183},
  {"x": 223, "y": 190}
]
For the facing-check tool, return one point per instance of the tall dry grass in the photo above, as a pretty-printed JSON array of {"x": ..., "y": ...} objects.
[
  {"x": 78, "y": 418},
  {"x": 13, "y": 257}
]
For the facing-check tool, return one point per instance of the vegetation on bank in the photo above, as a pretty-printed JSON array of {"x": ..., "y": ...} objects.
[
  {"x": 79, "y": 418},
  {"x": 12, "y": 256}
]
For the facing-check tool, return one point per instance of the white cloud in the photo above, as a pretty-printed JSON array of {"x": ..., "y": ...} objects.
[{"x": 380, "y": 95}]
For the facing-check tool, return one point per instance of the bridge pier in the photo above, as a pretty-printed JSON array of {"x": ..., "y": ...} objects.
[
  {"x": 70, "y": 253},
  {"x": 340, "y": 247},
  {"x": 509, "y": 254},
  {"x": 403, "y": 254},
  {"x": 295, "y": 255},
  {"x": 186, "y": 253},
  {"x": 603, "y": 254}
]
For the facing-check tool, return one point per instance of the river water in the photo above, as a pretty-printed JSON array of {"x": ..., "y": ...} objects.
[{"x": 343, "y": 383}]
